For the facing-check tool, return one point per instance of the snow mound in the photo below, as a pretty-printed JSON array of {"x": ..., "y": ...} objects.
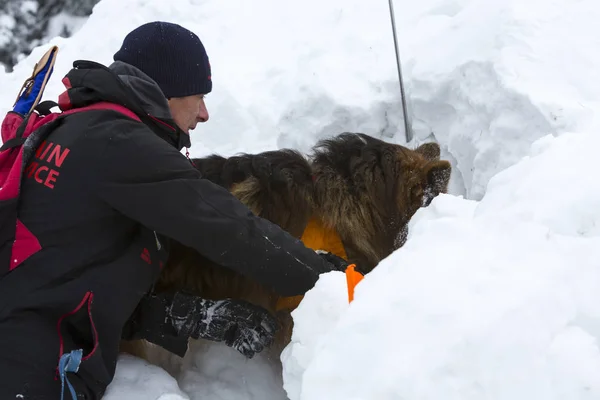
[
  {"x": 329, "y": 300},
  {"x": 216, "y": 372},
  {"x": 496, "y": 299},
  {"x": 136, "y": 379}
]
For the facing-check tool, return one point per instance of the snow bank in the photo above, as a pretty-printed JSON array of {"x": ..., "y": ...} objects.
[
  {"x": 497, "y": 299},
  {"x": 487, "y": 78}
]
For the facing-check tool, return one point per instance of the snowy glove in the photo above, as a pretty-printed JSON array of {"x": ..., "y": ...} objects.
[
  {"x": 243, "y": 326},
  {"x": 170, "y": 319}
]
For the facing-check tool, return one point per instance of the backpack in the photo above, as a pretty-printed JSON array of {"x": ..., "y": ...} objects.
[{"x": 23, "y": 129}]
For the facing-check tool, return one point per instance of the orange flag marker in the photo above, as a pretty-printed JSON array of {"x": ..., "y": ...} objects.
[{"x": 352, "y": 279}]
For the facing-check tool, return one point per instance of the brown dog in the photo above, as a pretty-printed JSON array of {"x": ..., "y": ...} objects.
[{"x": 354, "y": 198}]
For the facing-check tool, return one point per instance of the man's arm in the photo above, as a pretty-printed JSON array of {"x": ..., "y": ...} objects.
[{"x": 151, "y": 182}]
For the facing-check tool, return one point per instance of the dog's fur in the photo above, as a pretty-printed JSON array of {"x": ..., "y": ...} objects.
[{"x": 364, "y": 188}]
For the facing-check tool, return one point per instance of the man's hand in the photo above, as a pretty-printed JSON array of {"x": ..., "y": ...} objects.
[
  {"x": 241, "y": 325},
  {"x": 337, "y": 263},
  {"x": 170, "y": 319}
]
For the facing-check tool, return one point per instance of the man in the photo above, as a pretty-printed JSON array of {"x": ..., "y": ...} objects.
[{"x": 120, "y": 190}]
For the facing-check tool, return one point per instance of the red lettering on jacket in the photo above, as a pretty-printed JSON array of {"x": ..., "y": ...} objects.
[
  {"x": 48, "y": 147},
  {"x": 31, "y": 168},
  {"x": 38, "y": 152},
  {"x": 47, "y": 153},
  {"x": 58, "y": 156},
  {"x": 37, "y": 173},
  {"x": 51, "y": 179}
]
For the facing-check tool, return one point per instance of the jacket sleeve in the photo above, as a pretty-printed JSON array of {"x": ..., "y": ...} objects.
[{"x": 149, "y": 181}]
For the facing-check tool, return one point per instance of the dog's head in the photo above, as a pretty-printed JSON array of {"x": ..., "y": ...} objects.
[{"x": 368, "y": 189}]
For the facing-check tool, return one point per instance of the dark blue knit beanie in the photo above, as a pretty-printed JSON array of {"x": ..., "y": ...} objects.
[{"x": 171, "y": 55}]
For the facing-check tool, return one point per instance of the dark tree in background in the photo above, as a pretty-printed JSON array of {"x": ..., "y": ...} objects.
[{"x": 25, "y": 24}]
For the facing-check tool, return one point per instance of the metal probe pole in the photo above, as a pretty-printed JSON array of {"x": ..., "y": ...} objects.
[{"x": 407, "y": 126}]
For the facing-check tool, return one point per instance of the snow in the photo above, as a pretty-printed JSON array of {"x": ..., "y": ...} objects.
[
  {"x": 223, "y": 374},
  {"x": 493, "y": 295},
  {"x": 491, "y": 299},
  {"x": 62, "y": 22},
  {"x": 136, "y": 379}
]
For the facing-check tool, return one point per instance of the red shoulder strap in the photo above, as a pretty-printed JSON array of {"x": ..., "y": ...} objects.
[{"x": 105, "y": 105}]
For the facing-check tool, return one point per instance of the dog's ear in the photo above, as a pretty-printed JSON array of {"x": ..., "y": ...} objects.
[
  {"x": 431, "y": 151},
  {"x": 437, "y": 175}
]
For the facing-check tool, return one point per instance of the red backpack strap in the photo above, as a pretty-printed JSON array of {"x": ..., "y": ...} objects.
[
  {"x": 105, "y": 105},
  {"x": 24, "y": 127}
]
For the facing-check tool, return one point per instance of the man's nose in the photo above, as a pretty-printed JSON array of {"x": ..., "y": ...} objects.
[{"x": 202, "y": 112}]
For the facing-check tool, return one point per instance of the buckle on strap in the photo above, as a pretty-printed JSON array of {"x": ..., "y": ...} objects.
[{"x": 69, "y": 362}]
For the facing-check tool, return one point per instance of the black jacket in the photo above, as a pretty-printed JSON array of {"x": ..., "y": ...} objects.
[{"x": 101, "y": 195}]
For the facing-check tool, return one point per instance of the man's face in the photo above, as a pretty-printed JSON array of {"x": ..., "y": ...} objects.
[{"x": 188, "y": 111}]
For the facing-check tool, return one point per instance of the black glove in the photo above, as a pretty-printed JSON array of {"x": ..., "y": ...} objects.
[
  {"x": 168, "y": 320},
  {"x": 337, "y": 263},
  {"x": 241, "y": 325}
]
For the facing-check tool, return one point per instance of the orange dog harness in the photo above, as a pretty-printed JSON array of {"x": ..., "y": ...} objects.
[{"x": 317, "y": 237}]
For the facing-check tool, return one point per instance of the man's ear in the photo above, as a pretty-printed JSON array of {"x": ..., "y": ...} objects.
[
  {"x": 431, "y": 151},
  {"x": 437, "y": 174}
]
